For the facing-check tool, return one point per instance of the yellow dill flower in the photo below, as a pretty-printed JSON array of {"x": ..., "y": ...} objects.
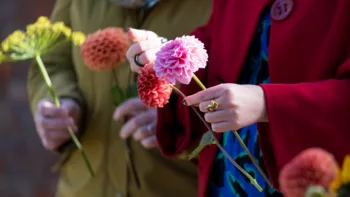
[
  {"x": 78, "y": 38},
  {"x": 61, "y": 28},
  {"x": 13, "y": 40},
  {"x": 43, "y": 20},
  {"x": 57, "y": 27},
  {"x": 343, "y": 176},
  {"x": 66, "y": 31},
  {"x": 39, "y": 38}
]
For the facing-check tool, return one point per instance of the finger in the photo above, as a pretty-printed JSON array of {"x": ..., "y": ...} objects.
[
  {"x": 203, "y": 106},
  {"x": 129, "y": 108},
  {"x": 141, "y": 47},
  {"x": 142, "y": 133},
  {"x": 138, "y": 35},
  {"x": 218, "y": 116},
  {"x": 48, "y": 109},
  {"x": 220, "y": 127},
  {"x": 54, "y": 135},
  {"x": 150, "y": 142},
  {"x": 148, "y": 56},
  {"x": 51, "y": 123},
  {"x": 52, "y": 145},
  {"x": 130, "y": 127},
  {"x": 204, "y": 95}
]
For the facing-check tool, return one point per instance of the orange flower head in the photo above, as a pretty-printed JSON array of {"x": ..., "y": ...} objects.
[
  {"x": 105, "y": 49},
  {"x": 313, "y": 166}
]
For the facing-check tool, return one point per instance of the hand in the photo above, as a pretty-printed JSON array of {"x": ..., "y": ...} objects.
[
  {"x": 52, "y": 122},
  {"x": 146, "y": 46},
  {"x": 141, "y": 122},
  {"x": 239, "y": 106}
]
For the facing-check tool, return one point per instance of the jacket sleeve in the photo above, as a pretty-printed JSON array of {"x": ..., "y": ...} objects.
[
  {"x": 178, "y": 127},
  {"x": 313, "y": 114},
  {"x": 59, "y": 66}
]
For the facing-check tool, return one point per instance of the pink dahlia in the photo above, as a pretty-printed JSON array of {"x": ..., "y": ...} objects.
[
  {"x": 313, "y": 166},
  {"x": 105, "y": 49},
  {"x": 179, "y": 59},
  {"x": 153, "y": 91}
]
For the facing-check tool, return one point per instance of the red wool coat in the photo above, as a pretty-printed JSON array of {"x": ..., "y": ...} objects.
[{"x": 308, "y": 101}]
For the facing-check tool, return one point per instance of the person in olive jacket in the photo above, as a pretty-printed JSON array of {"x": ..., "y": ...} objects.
[{"x": 86, "y": 105}]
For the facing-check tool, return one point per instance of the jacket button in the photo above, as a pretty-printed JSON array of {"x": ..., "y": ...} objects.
[{"x": 281, "y": 9}]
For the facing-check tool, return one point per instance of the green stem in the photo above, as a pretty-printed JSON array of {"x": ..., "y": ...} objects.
[
  {"x": 195, "y": 78},
  {"x": 245, "y": 173},
  {"x": 57, "y": 103},
  {"x": 252, "y": 158}
]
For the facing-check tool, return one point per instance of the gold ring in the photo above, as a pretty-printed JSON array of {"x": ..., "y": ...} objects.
[{"x": 212, "y": 106}]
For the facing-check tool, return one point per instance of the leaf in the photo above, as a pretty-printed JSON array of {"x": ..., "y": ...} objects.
[
  {"x": 118, "y": 95},
  {"x": 132, "y": 92},
  {"x": 207, "y": 139}
]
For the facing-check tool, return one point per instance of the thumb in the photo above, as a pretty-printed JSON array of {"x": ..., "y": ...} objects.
[
  {"x": 129, "y": 107},
  {"x": 137, "y": 35}
]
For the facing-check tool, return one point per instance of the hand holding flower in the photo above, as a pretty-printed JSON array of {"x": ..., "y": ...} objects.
[
  {"x": 140, "y": 124},
  {"x": 239, "y": 106},
  {"x": 51, "y": 122},
  {"x": 147, "y": 44},
  {"x": 39, "y": 39}
]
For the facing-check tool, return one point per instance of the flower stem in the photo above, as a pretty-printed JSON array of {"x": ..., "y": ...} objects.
[
  {"x": 240, "y": 141},
  {"x": 195, "y": 78},
  {"x": 245, "y": 173},
  {"x": 57, "y": 103},
  {"x": 252, "y": 158}
]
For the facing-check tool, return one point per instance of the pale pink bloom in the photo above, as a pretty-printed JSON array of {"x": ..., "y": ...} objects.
[{"x": 179, "y": 59}]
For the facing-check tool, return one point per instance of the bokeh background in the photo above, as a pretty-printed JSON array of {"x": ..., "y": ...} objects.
[{"x": 24, "y": 164}]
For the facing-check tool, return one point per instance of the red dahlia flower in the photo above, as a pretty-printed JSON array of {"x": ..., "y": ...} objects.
[{"x": 154, "y": 92}]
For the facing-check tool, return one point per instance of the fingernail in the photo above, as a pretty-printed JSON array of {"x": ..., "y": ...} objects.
[{"x": 184, "y": 102}]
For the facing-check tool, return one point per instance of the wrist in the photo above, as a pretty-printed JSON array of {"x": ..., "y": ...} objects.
[{"x": 263, "y": 117}]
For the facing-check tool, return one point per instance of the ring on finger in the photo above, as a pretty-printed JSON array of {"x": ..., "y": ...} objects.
[
  {"x": 137, "y": 61},
  {"x": 212, "y": 106},
  {"x": 163, "y": 40}
]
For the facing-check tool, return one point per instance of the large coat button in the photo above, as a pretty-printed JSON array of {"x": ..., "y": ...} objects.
[{"x": 281, "y": 9}]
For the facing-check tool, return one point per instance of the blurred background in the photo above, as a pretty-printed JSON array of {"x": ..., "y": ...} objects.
[{"x": 24, "y": 164}]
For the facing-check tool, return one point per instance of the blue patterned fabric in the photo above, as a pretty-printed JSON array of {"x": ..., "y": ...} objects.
[{"x": 225, "y": 179}]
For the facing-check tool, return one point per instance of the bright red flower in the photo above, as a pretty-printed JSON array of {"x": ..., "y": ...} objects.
[
  {"x": 105, "y": 49},
  {"x": 154, "y": 92},
  {"x": 313, "y": 166}
]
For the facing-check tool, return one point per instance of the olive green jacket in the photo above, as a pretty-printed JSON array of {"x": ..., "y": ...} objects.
[{"x": 159, "y": 177}]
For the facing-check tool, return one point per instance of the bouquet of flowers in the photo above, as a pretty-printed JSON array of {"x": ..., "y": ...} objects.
[
  {"x": 177, "y": 61},
  {"x": 39, "y": 39},
  {"x": 315, "y": 173}
]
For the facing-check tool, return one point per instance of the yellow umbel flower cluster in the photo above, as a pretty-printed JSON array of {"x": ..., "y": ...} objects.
[
  {"x": 343, "y": 176},
  {"x": 39, "y": 38}
]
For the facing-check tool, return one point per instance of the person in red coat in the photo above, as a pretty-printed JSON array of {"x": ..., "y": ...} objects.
[{"x": 294, "y": 83}]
